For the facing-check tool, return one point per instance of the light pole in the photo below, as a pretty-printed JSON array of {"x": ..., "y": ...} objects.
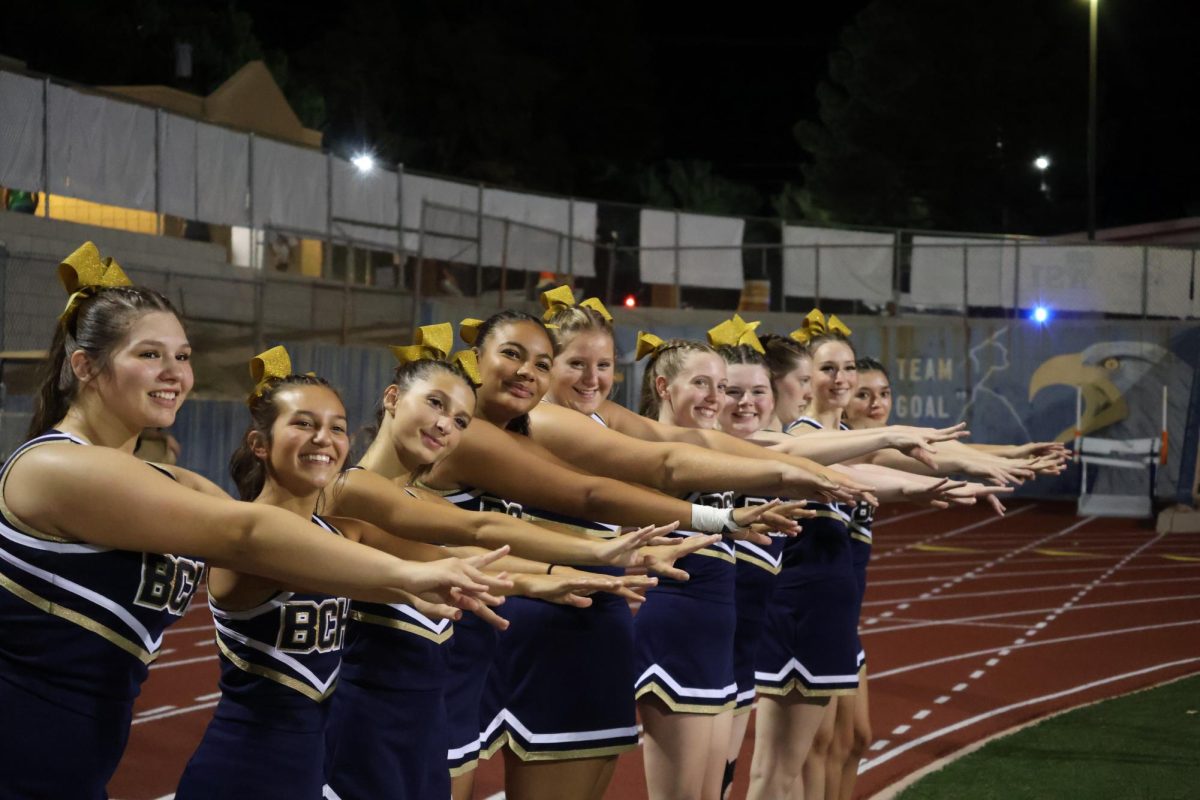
[
  {"x": 1042, "y": 163},
  {"x": 1091, "y": 143}
]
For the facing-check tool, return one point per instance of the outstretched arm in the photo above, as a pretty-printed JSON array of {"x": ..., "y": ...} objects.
[
  {"x": 670, "y": 466},
  {"x": 103, "y": 496}
]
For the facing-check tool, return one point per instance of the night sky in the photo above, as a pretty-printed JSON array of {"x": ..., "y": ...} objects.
[{"x": 588, "y": 98}]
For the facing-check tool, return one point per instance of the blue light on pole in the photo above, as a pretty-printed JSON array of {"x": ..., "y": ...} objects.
[{"x": 1040, "y": 315}]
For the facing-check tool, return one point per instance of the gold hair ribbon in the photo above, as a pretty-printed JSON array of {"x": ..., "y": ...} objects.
[
  {"x": 563, "y": 297},
  {"x": 815, "y": 324},
  {"x": 269, "y": 365},
  {"x": 83, "y": 272},
  {"x": 734, "y": 332},
  {"x": 647, "y": 343},
  {"x": 469, "y": 363},
  {"x": 432, "y": 341},
  {"x": 468, "y": 329}
]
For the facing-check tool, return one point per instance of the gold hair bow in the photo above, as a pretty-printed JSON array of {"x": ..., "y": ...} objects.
[
  {"x": 469, "y": 363},
  {"x": 815, "y": 324},
  {"x": 468, "y": 329},
  {"x": 734, "y": 332},
  {"x": 563, "y": 297},
  {"x": 647, "y": 344},
  {"x": 269, "y": 365},
  {"x": 434, "y": 342},
  {"x": 83, "y": 272}
]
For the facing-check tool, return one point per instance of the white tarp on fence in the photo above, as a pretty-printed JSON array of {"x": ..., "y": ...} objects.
[
  {"x": 855, "y": 265},
  {"x": 1080, "y": 278},
  {"x": 289, "y": 187},
  {"x": 719, "y": 266},
  {"x": 539, "y": 242},
  {"x": 100, "y": 150},
  {"x": 223, "y": 184},
  {"x": 177, "y": 167},
  {"x": 457, "y": 232},
  {"x": 21, "y": 139},
  {"x": 937, "y": 271},
  {"x": 366, "y": 197}
]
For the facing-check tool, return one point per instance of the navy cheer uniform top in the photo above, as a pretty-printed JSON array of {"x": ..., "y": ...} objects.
[
  {"x": 279, "y": 664},
  {"x": 79, "y": 626},
  {"x": 388, "y": 734}
]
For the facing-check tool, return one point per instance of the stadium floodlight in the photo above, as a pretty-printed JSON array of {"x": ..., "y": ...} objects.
[
  {"x": 630, "y": 301},
  {"x": 1040, "y": 315},
  {"x": 1042, "y": 163},
  {"x": 365, "y": 162}
]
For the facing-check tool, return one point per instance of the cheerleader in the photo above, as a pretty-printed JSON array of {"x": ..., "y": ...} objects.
[
  {"x": 388, "y": 732},
  {"x": 280, "y": 650},
  {"x": 99, "y": 552}
]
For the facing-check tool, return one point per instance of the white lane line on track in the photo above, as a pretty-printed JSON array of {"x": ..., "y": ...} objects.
[
  {"x": 204, "y": 698},
  {"x": 880, "y": 744},
  {"x": 1037, "y": 573},
  {"x": 922, "y": 714},
  {"x": 933, "y": 735},
  {"x": 151, "y": 711},
  {"x": 977, "y": 674},
  {"x": 183, "y": 661},
  {"x": 959, "y": 687},
  {"x": 902, "y": 517},
  {"x": 991, "y": 662},
  {"x": 943, "y": 700},
  {"x": 909, "y": 623},
  {"x": 954, "y": 532},
  {"x": 1020, "y": 644},
  {"x": 901, "y": 730},
  {"x": 176, "y": 712}
]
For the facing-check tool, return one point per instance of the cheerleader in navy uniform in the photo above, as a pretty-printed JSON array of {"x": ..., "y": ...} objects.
[
  {"x": 85, "y": 587},
  {"x": 389, "y": 733},
  {"x": 749, "y": 408}
]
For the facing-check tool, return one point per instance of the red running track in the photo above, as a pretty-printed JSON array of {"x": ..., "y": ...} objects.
[{"x": 972, "y": 624}]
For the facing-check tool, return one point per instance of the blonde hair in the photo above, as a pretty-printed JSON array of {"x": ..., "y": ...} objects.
[{"x": 666, "y": 361}]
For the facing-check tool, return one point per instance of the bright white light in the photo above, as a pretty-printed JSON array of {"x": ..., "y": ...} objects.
[
  {"x": 1041, "y": 162},
  {"x": 364, "y": 161},
  {"x": 1041, "y": 315}
]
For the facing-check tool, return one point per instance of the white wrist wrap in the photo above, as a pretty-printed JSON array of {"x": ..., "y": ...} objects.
[{"x": 707, "y": 519}]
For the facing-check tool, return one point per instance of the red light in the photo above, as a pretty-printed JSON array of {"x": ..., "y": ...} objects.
[{"x": 630, "y": 301}]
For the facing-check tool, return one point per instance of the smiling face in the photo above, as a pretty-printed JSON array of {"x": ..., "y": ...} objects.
[
  {"x": 428, "y": 418},
  {"x": 871, "y": 404},
  {"x": 749, "y": 403},
  {"x": 582, "y": 376},
  {"x": 148, "y": 374},
  {"x": 308, "y": 441},
  {"x": 694, "y": 397},
  {"x": 794, "y": 391},
  {"x": 515, "y": 364},
  {"x": 835, "y": 375}
]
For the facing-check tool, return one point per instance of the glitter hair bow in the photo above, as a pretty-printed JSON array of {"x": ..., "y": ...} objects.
[
  {"x": 815, "y": 324},
  {"x": 433, "y": 342},
  {"x": 563, "y": 297},
  {"x": 647, "y": 344},
  {"x": 83, "y": 273},
  {"x": 267, "y": 366},
  {"x": 734, "y": 332}
]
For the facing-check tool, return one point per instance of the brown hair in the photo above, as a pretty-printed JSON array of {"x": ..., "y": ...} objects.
[
  {"x": 96, "y": 326},
  {"x": 783, "y": 354},
  {"x": 520, "y": 424},
  {"x": 248, "y": 471},
  {"x": 667, "y": 361}
]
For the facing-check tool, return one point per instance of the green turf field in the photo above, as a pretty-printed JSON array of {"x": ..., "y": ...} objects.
[{"x": 1144, "y": 745}]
